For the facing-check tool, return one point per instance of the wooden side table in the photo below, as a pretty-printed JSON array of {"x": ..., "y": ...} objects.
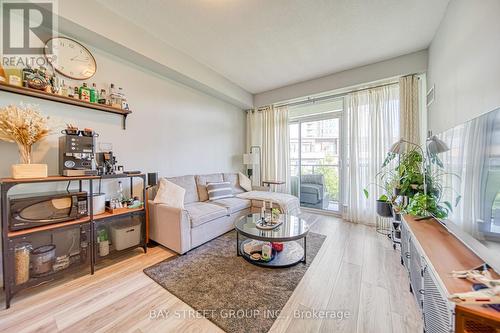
[{"x": 276, "y": 183}]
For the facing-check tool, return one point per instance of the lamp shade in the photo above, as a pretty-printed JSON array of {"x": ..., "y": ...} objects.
[
  {"x": 398, "y": 147},
  {"x": 436, "y": 146}
]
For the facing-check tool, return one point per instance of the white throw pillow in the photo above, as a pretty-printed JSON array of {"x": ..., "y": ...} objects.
[
  {"x": 170, "y": 194},
  {"x": 245, "y": 182}
]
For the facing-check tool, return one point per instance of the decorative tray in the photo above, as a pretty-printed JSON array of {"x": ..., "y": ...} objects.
[{"x": 262, "y": 225}]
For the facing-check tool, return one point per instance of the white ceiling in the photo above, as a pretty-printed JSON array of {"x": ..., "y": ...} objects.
[{"x": 265, "y": 44}]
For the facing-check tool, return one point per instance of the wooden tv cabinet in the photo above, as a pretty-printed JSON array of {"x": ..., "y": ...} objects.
[{"x": 430, "y": 253}]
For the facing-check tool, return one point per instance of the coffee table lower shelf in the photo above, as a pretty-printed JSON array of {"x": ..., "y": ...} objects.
[{"x": 292, "y": 254}]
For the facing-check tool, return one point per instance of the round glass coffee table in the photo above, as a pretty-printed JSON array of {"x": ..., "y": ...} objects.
[{"x": 289, "y": 232}]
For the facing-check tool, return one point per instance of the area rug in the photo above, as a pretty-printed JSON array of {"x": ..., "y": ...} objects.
[{"x": 234, "y": 294}]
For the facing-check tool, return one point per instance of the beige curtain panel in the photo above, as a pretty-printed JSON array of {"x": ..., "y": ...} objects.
[
  {"x": 268, "y": 128},
  {"x": 409, "y": 108}
]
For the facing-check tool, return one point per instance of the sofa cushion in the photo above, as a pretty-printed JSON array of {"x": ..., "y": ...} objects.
[
  {"x": 201, "y": 184},
  {"x": 233, "y": 205},
  {"x": 233, "y": 178},
  {"x": 219, "y": 190},
  {"x": 245, "y": 182},
  {"x": 203, "y": 212},
  {"x": 189, "y": 184},
  {"x": 170, "y": 194}
]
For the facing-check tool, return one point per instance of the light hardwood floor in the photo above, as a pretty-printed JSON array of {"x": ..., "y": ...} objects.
[{"x": 356, "y": 270}]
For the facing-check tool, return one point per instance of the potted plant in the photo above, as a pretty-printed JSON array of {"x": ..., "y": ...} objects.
[
  {"x": 385, "y": 200},
  {"x": 427, "y": 205},
  {"x": 384, "y": 206},
  {"x": 25, "y": 126}
]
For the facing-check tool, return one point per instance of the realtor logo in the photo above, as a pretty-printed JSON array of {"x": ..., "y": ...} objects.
[{"x": 26, "y": 26}]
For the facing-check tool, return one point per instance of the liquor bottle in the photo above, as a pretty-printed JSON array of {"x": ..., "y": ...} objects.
[
  {"x": 97, "y": 94},
  {"x": 27, "y": 71},
  {"x": 111, "y": 93},
  {"x": 64, "y": 89},
  {"x": 114, "y": 97},
  {"x": 76, "y": 93},
  {"x": 84, "y": 93},
  {"x": 70, "y": 92},
  {"x": 124, "y": 103},
  {"x": 119, "y": 193},
  {"x": 93, "y": 94},
  {"x": 102, "y": 97}
]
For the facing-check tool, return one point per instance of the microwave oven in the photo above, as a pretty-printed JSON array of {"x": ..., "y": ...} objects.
[{"x": 29, "y": 211}]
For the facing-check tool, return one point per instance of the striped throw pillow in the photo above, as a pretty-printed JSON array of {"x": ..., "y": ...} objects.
[{"x": 219, "y": 190}]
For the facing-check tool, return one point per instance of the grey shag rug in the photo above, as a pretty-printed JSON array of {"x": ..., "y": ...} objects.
[{"x": 234, "y": 294}]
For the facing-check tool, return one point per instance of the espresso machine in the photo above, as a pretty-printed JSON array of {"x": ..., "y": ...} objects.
[
  {"x": 106, "y": 163},
  {"x": 76, "y": 155}
]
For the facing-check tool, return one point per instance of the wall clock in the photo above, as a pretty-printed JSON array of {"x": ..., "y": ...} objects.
[{"x": 70, "y": 58}]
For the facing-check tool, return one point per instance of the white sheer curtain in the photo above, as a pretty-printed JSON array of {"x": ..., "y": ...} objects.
[
  {"x": 372, "y": 125},
  {"x": 268, "y": 128}
]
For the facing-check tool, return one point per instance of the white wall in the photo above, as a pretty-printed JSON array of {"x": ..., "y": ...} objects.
[
  {"x": 464, "y": 63},
  {"x": 407, "y": 64}
]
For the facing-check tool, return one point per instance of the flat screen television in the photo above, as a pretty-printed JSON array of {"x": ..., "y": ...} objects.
[{"x": 470, "y": 176}]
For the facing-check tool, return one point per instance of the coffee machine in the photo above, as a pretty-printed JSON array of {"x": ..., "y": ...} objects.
[
  {"x": 106, "y": 163},
  {"x": 76, "y": 155}
]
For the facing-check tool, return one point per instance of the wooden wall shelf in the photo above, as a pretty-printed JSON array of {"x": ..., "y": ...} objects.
[{"x": 66, "y": 100}]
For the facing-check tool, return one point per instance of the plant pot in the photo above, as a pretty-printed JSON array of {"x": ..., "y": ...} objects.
[
  {"x": 99, "y": 203},
  {"x": 20, "y": 171},
  {"x": 384, "y": 208}
]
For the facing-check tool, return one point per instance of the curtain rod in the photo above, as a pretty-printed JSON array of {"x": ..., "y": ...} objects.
[{"x": 319, "y": 99}]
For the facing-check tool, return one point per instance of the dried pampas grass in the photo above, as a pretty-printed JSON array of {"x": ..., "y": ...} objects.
[{"x": 24, "y": 125}]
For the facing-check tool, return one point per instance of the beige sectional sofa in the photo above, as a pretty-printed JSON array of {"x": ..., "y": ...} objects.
[{"x": 201, "y": 220}]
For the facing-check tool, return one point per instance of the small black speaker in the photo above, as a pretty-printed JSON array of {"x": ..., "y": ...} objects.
[{"x": 152, "y": 178}]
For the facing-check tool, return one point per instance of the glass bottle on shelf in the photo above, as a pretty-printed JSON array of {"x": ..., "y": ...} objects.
[
  {"x": 119, "y": 193},
  {"x": 64, "y": 89},
  {"x": 84, "y": 92},
  {"x": 27, "y": 71},
  {"x": 111, "y": 94},
  {"x": 124, "y": 103},
  {"x": 76, "y": 93},
  {"x": 102, "y": 97},
  {"x": 93, "y": 93}
]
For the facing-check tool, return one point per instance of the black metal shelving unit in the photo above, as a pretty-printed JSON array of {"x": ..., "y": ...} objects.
[{"x": 88, "y": 223}]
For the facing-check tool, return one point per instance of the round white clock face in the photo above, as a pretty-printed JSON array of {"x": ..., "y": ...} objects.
[{"x": 70, "y": 58}]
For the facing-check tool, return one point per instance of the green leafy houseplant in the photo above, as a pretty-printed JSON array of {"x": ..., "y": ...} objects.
[
  {"x": 412, "y": 178},
  {"x": 424, "y": 204}
]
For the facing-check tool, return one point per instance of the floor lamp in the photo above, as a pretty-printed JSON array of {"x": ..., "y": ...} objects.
[
  {"x": 259, "y": 163},
  {"x": 152, "y": 181}
]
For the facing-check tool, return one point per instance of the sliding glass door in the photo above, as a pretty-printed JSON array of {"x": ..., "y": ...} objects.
[{"x": 315, "y": 151}]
